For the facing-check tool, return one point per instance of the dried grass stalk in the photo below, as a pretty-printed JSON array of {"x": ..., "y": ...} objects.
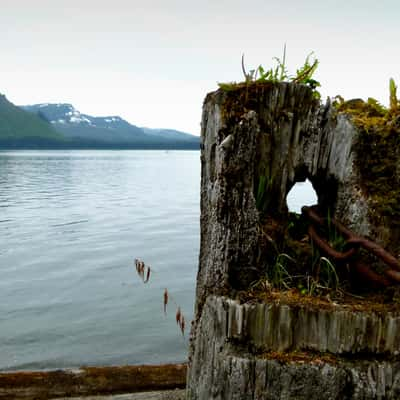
[
  {"x": 182, "y": 325},
  {"x": 147, "y": 275},
  {"x": 165, "y": 301},
  {"x": 144, "y": 273},
  {"x": 180, "y": 320},
  {"x": 142, "y": 270},
  {"x": 178, "y": 315}
]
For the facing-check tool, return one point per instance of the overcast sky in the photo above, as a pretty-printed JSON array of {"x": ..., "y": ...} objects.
[{"x": 152, "y": 62}]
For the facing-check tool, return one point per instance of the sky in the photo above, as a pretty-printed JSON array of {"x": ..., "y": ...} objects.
[{"x": 153, "y": 61}]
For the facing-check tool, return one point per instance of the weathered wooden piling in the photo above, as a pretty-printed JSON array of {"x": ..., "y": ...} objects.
[{"x": 272, "y": 348}]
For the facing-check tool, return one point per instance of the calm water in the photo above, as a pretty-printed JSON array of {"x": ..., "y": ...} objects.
[{"x": 71, "y": 224}]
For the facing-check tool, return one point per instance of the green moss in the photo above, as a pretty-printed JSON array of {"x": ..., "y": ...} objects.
[{"x": 377, "y": 154}]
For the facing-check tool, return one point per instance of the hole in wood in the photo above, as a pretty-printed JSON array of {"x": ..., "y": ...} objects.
[{"x": 301, "y": 194}]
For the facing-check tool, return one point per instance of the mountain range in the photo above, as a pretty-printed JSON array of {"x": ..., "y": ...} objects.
[{"x": 62, "y": 126}]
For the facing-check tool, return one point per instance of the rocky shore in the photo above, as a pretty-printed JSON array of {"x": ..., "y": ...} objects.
[{"x": 158, "y": 382}]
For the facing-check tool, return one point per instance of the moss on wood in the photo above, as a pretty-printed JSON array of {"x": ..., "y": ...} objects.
[{"x": 377, "y": 154}]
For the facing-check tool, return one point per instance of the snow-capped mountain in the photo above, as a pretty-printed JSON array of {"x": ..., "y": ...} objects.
[
  {"x": 110, "y": 129},
  {"x": 67, "y": 114}
]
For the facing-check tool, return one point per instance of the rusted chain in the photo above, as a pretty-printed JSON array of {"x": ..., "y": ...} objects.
[
  {"x": 392, "y": 274},
  {"x": 312, "y": 214},
  {"x": 327, "y": 249},
  {"x": 369, "y": 275},
  {"x": 377, "y": 250},
  {"x": 354, "y": 242}
]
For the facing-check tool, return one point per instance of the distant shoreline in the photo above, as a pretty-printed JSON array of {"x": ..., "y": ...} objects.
[
  {"x": 4, "y": 149},
  {"x": 98, "y": 146}
]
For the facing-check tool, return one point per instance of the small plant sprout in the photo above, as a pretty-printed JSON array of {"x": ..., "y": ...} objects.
[
  {"x": 330, "y": 279},
  {"x": 263, "y": 197},
  {"x": 279, "y": 73},
  {"x": 305, "y": 73},
  {"x": 278, "y": 274},
  {"x": 248, "y": 76},
  {"x": 394, "y": 102}
]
